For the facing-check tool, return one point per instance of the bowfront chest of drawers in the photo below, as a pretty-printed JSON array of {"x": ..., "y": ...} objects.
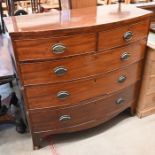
[{"x": 79, "y": 70}]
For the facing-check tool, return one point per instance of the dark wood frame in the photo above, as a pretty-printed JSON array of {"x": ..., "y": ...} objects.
[{"x": 1, "y": 16}]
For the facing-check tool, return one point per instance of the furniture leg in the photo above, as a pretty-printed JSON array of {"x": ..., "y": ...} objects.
[{"x": 36, "y": 141}]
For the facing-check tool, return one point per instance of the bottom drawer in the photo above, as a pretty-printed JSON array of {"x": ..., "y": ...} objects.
[{"x": 65, "y": 119}]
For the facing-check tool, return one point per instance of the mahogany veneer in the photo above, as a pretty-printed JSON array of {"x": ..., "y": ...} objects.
[
  {"x": 81, "y": 68},
  {"x": 85, "y": 109},
  {"x": 76, "y": 45},
  {"x": 46, "y": 95}
]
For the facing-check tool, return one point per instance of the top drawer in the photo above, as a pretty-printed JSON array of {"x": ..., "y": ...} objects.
[
  {"x": 123, "y": 35},
  {"x": 53, "y": 48}
]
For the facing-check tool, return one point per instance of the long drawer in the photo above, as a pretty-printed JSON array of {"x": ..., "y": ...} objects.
[
  {"x": 81, "y": 67},
  {"x": 53, "y": 48},
  {"x": 70, "y": 93},
  {"x": 64, "y": 119},
  {"x": 123, "y": 35}
]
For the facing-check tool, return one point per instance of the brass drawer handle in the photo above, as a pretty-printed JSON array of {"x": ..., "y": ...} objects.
[
  {"x": 62, "y": 95},
  {"x": 128, "y": 36},
  {"x": 125, "y": 56},
  {"x": 60, "y": 71},
  {"x": 120, "y": 101},
  {"x": 122, "y": 79},
  {"x": 58, "y": 48},
  {"x": 64, "y": 118}
]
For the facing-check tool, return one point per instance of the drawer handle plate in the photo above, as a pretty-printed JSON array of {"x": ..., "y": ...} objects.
[
  {"x": 58, "y": 48},
  {"x": 62, "y": 95},
  {"x": 60, "y": 71},
  {"x": 64, "y": 118},
  {"x": 128, "y": 36},
  {"x": 120, "y": 101},
  {"x": 125, "y": 56},
  {"x": 122, "y": 79}
]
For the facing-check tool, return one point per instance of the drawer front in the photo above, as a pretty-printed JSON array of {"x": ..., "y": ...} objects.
[
  {"x": 73, "y": 92},
  {"x": 53, "y": 48},
  {"x": 71, "y": 117},
  {"x": 123, "y": 35},
  {"x": 83, "y": 66}
]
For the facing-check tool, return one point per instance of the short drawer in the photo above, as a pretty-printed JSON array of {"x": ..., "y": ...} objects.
[
  {"x": 53, "y": 48},
  {"x": 123, "y": 35},
  {"x": 69, "y": 93},
  {"x": 81, "y": 67},
  {"x": 73, "y": 117}
]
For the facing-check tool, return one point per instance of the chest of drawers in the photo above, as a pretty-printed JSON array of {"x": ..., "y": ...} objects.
[{"x": 79, "y": 72}]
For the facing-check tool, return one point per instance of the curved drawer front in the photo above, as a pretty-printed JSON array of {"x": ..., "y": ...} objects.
[
  {"x": 83, "y": 66},
  {"x": 123, "y": 35},
  {"x": 54, "y": 48},
  {"x": 73, "y": 92},
  {"x": 96, "y": 111}
]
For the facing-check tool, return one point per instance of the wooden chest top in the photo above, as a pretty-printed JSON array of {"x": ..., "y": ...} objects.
[{"x": 71, "y": 21}]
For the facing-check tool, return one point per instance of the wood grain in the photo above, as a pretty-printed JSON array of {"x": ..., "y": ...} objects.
[
  {"x": 43, "y": 96},
  {"x": 81, "y": 67},
  {"x": 146, "y": 103},
  {"x": 114, "y": 38},
  {"x": 75, "y": 4},
  {"x": 74, "y": 21},
  {"x": 41, "y": 49},
  {"x": 48, "y": 119}
]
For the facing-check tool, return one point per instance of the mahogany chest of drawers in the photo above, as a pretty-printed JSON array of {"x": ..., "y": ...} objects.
[{"x": 78, "y": 69}]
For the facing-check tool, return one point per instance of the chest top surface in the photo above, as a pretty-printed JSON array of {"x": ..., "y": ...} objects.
[{"x": 73, "y": 20}]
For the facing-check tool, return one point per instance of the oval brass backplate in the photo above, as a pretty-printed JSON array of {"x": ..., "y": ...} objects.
[
  {"x": 128, "y": 36},
  {"x": 62, "y": 95},
  {"x": 58, "y": 48},
  {"x": 60, "y": 71}
]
